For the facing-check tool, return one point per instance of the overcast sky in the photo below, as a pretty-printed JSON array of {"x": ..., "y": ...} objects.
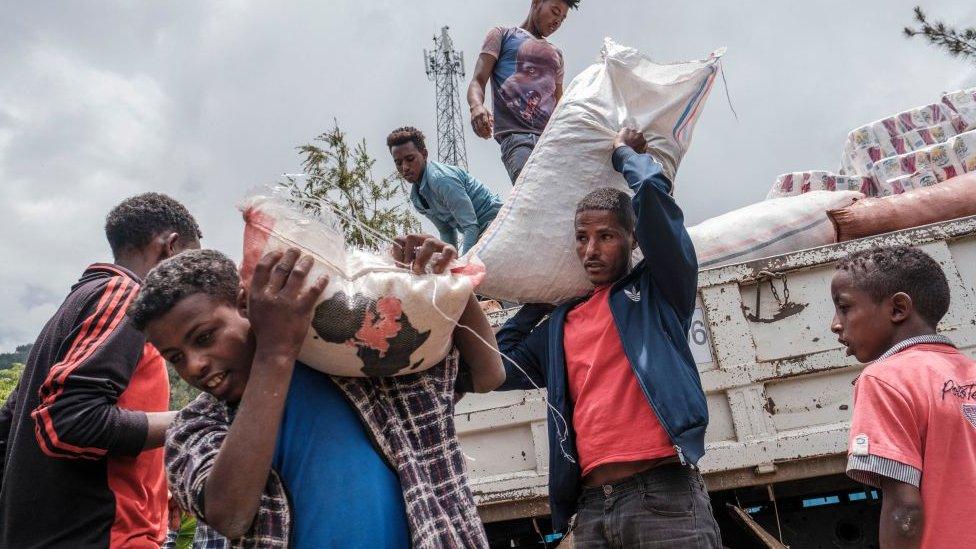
[{"x": 101, "y": 100}]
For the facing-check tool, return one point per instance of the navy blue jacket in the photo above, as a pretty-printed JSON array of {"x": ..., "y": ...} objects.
[{"x": 652, "y": 307}]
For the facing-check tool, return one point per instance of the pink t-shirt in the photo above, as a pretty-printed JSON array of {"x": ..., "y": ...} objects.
[
  {"x": 614, "y": 423},
  {"x": 915, "y": 421}
]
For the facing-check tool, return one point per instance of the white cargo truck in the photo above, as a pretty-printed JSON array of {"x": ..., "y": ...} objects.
[{"x": 779, "y": 390}]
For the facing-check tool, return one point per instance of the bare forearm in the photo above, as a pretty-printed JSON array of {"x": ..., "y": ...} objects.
[
  {"x": 233, "y": 490},
  {"x": 158, "y": 423},
  {"x": 487, "y": 371},
  {"x": 476, "y": 93}
]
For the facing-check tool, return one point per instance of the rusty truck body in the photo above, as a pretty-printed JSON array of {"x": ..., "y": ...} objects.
[{"x": 779, "y": 390}]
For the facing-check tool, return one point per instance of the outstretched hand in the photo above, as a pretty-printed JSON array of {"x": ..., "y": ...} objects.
[
  {"x": 279, "y": 305},
  {"x": 629, "y": 137},
  {"x": 415, "y": 251}
]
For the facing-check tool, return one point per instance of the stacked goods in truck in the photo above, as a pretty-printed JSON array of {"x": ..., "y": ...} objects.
[
  {"x": 896, "y": 135},
  {"x": 796, "y": 183},
  {"x": 768, "y": 228},
  {"x": 950, "y": 200},
  {"x": 941, "y": 162},
  {"x": 375, "y": 318},
  {"x": 573, "y": 157},
  {"x": 899, "y": 153},
  {"x": 963, "y": 103}
]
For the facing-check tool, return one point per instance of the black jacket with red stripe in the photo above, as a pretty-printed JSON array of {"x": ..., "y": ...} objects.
[{"x": 71, "y": 434}]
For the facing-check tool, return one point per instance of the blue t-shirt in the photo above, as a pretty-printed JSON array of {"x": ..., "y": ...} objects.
[{"x": 342, "y": 492}]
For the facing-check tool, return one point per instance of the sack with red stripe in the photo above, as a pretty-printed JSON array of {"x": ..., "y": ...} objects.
[
  {"x": 375, "y": 317},
  {"x": 528, "y": 251}
]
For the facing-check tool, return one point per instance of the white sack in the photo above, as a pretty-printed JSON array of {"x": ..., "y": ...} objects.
[
  {"x": 771, "y": 227},
  {"x": 528, "y": 251},
  {"x": 374, "y": 318}
]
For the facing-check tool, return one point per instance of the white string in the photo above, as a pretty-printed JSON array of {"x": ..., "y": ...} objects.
[
  {"x": 561, "y": 434},
  {"x": 351, "y": 219}
]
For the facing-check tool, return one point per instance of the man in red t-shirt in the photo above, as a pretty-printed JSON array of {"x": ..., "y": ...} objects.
[
  {"x": 913, "y": 434},
  {"x": 629, "y": 413}
]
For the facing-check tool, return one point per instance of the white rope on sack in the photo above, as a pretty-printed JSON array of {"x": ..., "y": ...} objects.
[
  {"x": 561, "y": 434},
  {"x": 562, "y": 426}
]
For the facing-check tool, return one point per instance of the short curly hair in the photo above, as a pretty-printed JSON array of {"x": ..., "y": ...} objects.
[
  {"x": 610, "y": 200},
  {"x": 574, "y": 4},
  {"x": 883, "y": 272},
  {"x": 132, "y": 224},
  {"x": 406, "y": 134},
  {"x": 188, "y": 273}
]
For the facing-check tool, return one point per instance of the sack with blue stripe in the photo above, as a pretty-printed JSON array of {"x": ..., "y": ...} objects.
[{"x": 528, "y": 251}]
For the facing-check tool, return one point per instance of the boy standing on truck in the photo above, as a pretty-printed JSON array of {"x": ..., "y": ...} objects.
[
  {"x": 526, "y": 73},
  {"x": 453, "y": 200},
  {"x": 631, "y": 410},
  {"x": 913, "y": 434},
  {"x": 81, "y": 463},
  {"x": 275, "y": 454}
]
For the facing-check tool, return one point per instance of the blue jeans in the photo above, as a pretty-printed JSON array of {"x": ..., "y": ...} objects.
[
  {"x": 516, "y": 148},
  {"x": 663, "y": 507}
]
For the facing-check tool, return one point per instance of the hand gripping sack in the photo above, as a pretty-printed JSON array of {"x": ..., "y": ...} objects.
[
  {"x": 374, "y": 318},
  {"x": 528, "y": 251}
]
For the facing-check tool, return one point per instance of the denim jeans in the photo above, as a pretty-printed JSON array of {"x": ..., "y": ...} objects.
[
  {"x": 663, "y": 507},
  {"x": 516, "y": 148}
]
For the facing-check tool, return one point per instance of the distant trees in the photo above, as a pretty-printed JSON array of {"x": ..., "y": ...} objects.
[
  {"x": 8, "y": 380},
  {"x": 19, "y": 356},
  {"x": 11, "y": 367}
]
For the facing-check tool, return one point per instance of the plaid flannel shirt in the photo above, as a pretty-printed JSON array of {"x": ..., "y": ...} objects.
[{"x": 411, "y": 420}]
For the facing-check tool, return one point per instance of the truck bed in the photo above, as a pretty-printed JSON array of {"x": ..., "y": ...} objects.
[{"x": 778, "y": 383}]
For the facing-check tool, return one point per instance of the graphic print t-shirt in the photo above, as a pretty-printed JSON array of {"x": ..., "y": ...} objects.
[
  {"x": 915, "y": 421},
  {"x": 523, "y": 84}
]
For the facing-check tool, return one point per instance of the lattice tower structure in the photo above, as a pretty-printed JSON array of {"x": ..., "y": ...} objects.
[{"x": 445, "y": 67}]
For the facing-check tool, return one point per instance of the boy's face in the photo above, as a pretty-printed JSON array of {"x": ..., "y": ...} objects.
[
  {"x": 410, "y": 161},
  {"x": 208, "y": 342},
  {"x": 548, "y": 15},
  {"x": 603, "y": 246},
  {"x": 863, "y": 325}
]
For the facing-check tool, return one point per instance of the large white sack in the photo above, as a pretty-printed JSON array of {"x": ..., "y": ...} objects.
[
  {"x": 374, "y": 318},
  {"x": 770, "y": 227},
  {"x": 529, "y": 251}
]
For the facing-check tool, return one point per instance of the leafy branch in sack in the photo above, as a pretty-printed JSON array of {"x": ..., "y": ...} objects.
[
  {"x": 341, "y": 177},
  {"x": 958, "y": 43}
]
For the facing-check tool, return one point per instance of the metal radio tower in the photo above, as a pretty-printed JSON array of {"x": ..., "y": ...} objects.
[{"x": 446, "y": 67}]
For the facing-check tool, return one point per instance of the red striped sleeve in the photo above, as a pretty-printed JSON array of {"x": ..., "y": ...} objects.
[{"x": 100, "y": 374}]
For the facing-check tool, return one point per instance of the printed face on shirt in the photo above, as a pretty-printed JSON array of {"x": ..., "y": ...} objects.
[
  {"x": 862, "y": 324},
  {"x": 410, "y": 161},
  {"x": 530, "y": 91},
  {"x": 603, "y": 246},
  {"x": 209, "y": 343},
  {"x": 548, "y": 16}
]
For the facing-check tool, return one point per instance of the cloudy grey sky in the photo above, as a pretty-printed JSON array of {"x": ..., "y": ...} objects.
[{"x": 101, "y": 100}]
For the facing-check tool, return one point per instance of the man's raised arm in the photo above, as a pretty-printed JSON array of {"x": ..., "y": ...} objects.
[{"x": 668, "y": 251}]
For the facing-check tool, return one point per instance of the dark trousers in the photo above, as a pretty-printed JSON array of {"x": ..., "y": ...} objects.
[
  {"x": 663, "y": 507},
  {"x": 516, "y": 148}
]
